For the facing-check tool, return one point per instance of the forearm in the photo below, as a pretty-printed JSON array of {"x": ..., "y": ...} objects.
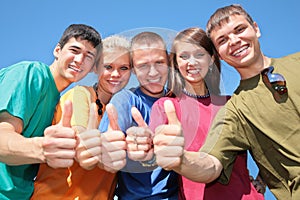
[
  {"x": 199, "y": 167},
  {"x": 17, "y": 150}
]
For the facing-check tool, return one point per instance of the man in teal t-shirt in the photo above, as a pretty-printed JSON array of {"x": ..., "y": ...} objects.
[{"x": 29, "y": 93}]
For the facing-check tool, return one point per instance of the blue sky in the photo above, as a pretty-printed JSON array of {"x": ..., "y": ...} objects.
[{"x": 30, "y": 29}]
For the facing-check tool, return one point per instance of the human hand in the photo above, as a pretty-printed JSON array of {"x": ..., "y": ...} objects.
[
  {"x": 88, "y": 152},
  {"x": 168, "y": 140},
  {"x": 139, "y": 139},
  {"x": 113, "y": 143},
  {"x": 60, "y": 141}
]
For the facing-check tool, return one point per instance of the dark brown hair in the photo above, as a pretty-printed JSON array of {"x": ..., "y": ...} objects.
[
  {"x": 222, "y": 15},
  {"x": 198, "y": 37}
]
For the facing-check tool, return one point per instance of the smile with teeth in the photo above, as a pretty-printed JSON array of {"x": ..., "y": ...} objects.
[
  {"x": 154, "y": 80},
  {"x": 114, "y": 82},
  {"x": 193, "y": 71},
  {"x": 239, "y": 51},
  {"x": 75, "y": 69}
]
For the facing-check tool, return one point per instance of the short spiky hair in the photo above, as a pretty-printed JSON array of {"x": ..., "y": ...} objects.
[
  {"x": 222, "y": 15},
  {"x": 147, "y": 38}
]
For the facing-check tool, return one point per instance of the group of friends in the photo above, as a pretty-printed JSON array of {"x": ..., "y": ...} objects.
[{"x": 173, "y": 137}]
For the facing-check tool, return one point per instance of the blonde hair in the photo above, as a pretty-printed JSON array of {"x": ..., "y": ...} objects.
[
  {"x": 113, "y": 42},
  {"x": 116, "y": 41}
]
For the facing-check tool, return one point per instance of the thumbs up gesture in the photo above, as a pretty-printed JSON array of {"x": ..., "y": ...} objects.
[
  {"x": 139, "y": 139},
  {"x": 88, "y": 152},
  {"x": 168, "y": 140},
  {"x": 113, "y": 143},
  {"x": 60, "y": 141}
]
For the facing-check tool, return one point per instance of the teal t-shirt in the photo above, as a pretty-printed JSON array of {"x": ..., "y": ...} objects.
[{"x": 28, "y": 91}]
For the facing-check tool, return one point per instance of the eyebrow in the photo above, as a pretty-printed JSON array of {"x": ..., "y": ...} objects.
[{"x": 89, "y": 52}]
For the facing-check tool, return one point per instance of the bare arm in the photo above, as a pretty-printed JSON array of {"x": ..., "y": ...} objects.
[
  {"x": 56, "y": 148},
  {"x": 14, "y": 148},
  {"x": 199, "y": 167}
]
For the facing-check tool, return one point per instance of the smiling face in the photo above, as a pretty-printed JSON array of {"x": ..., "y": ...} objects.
[
  {"x": 114, "y": 70},
  {"x": 193, "y": 62},
  {"x": 236, "y": 41},
  {"x": 150, "y": 64},
  {"x": 73, "y": 62}
]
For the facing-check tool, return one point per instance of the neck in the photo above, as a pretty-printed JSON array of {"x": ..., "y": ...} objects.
[
  {"x": 199, "y": 89},
  {"x": 60, "y": 82},
  {"x": 255, "y": 69},
  {"x": 103, "y": 96}
]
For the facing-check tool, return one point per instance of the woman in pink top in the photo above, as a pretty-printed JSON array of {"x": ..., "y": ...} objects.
[{"x": 194, "y": 90}]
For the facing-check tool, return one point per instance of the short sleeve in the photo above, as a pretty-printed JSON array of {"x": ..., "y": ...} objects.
[
  {"x": 122, "y": 101},
  {"x": 81, "y": 101},
  {"x": 23, "y": 86},
  {"x": 225, "y": 139}
]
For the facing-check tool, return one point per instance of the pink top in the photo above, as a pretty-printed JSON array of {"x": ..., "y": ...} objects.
[{"x": 196, "y": 116}]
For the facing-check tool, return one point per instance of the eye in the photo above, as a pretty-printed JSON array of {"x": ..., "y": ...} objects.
[
  {"x": 124, "y": 68},
  {"x": 142, "y": 66},
  {"x": 184, "y": 56},
  {"x": 74, "y": 50},
  {"x": 108, "y": 67},
  {"x": 240, "y": 29},
  {"x": 221, "y": 41},
  {"x": 199, "y": 55},
  {"x": 90, "y": 57}
]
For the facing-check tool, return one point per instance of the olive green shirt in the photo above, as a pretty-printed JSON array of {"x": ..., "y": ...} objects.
[{"x": 252, "y": 120}]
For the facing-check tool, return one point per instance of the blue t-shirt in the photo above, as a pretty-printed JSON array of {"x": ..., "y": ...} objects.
[
  {"x": 28, "y": 91},
  {"x": 134, "y": 180}
]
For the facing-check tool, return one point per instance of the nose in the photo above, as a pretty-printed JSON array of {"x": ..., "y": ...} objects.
[
  {"x": 79, "y": 58},
  {"x": 234, "y": 39},
  {"x": 152, "y": 71},
  {"x": 115, "y": 73},
  {"x": 192, "y": 60}
]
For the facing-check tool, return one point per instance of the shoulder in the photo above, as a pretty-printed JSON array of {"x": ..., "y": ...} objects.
[
  {"x": 76, "y": 91},
  {"x": 123, "y": 94},
  {"x": 160, "y": 102},
  {"x": 28, "y": 66},
  {"x": 295, "y": 57}
]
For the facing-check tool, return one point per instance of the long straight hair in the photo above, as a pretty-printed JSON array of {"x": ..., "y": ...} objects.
[{"x": 198, "y": 37}]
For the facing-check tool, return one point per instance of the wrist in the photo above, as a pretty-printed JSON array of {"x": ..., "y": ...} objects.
[{"x": 149, "y": 163}]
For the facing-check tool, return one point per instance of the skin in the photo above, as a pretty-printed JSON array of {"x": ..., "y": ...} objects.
[
  {"x": 115, "y": 71},
  {"x": 95, "y": 148},
  {"x": 193, "y": 63},
  {"x": 56, "y": 148},
  {"x": 151, "y": 68},
  {"x": 237, "y": 44},
  {"x": 72, "y": 62}
]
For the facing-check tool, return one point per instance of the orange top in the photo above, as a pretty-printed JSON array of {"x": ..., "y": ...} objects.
[{"x": 74, "y": 182}]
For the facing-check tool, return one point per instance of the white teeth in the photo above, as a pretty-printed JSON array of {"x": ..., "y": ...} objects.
[
  {"x": 75, "y": 69},
  {"x": 154, "y": 80},
  {"x": 194, "y": 71},
  {"x": 114, "y": 82},
  {"x": 237, "y": 52}
]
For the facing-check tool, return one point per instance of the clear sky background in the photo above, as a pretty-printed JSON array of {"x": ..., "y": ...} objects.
[{"x": 30, "y": 29}]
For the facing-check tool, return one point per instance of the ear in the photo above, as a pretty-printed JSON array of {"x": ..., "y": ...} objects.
[
  {"x": 56, "y": 51},
  {"x": 257, "y": 30}
]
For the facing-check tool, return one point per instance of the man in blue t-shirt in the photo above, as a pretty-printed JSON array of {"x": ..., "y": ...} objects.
[
  {"x": 29, "y": 93},
  {"x": 150, "y": 65}
]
